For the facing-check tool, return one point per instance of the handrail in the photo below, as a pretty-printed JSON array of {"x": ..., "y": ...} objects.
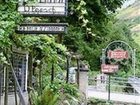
[
  {"x": 135, "y": 83},
  {"x": 20, "y": 93}
]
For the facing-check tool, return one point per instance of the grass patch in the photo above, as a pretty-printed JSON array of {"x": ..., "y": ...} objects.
[
  {"x": 136, "y": 38},
  {"x": 94, "y": 101}
]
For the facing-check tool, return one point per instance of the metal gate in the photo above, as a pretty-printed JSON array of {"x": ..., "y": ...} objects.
[{"x": 20, "y": 65}]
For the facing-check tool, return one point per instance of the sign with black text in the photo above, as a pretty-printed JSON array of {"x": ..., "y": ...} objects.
[
  {"x": 40, "y": 28},
  {"x": 45, "y": 8}
]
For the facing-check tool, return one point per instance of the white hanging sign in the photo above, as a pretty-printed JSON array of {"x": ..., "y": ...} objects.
[
  {"x": 45, "y": 8},
  {"x": 39, "y": 28}
]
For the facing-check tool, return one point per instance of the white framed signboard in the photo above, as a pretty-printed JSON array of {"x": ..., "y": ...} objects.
[
  {"x": 108, "y": 68},
  {"x": 42, "y": 28},
  {"x": 44, "y": 8}
]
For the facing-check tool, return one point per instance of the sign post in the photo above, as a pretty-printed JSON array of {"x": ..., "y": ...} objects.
[
  {"x": 116, "y": 52},
  {"x": 109, "y": 88},
  {"x": 109, "y": 69}
]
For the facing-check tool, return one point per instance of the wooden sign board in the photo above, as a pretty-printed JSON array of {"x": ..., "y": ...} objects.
[
  {"x": 108, "y": 68},
  {"x": 118, "y": 54},
  {"x": 45, "y": 8},
  {"x": 40, "y": 28}
]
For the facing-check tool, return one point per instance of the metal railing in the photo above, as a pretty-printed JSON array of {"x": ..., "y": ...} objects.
[
  {"x": 117, "y": 85},
  {"x": 135, "y": 83}
]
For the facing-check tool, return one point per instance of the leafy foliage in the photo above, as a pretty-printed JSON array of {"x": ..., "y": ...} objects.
[
  {"x": 56, "y": 94},
  {"x": 91, "y": 48},
  {"x": 41, "y": 46},
  {"x": 92, "y": 27},
  {"x": 9, "y": 18}
]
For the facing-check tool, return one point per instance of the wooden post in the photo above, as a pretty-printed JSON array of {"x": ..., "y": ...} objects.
[
  {"x": 78, "y": 71},
  {"x": 59, "y": 39},
  {"x": 52, "y": 73},
  {"x": 68, "y": 65},
  {"x": 30, "y": 69},
  {"x": 40, "y": 81},
  {"x": 30, "y": 65}
]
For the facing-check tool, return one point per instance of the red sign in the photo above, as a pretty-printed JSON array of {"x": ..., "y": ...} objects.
[
  {"x": 107, "y": 68},
  {"x": 118, "y": 54}
]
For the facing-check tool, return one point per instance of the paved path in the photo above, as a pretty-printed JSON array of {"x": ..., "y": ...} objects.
[
  {"x": 11, "y": 99},
  {"x": 114, "y": 96},
  {"x": 135, "y": 83}
]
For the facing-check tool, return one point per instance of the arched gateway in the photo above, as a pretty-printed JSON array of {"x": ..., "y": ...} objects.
[{"x": 115, "y": 53}]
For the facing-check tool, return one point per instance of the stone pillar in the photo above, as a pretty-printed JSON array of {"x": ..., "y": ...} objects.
[{"x": 83, "y": 80}]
